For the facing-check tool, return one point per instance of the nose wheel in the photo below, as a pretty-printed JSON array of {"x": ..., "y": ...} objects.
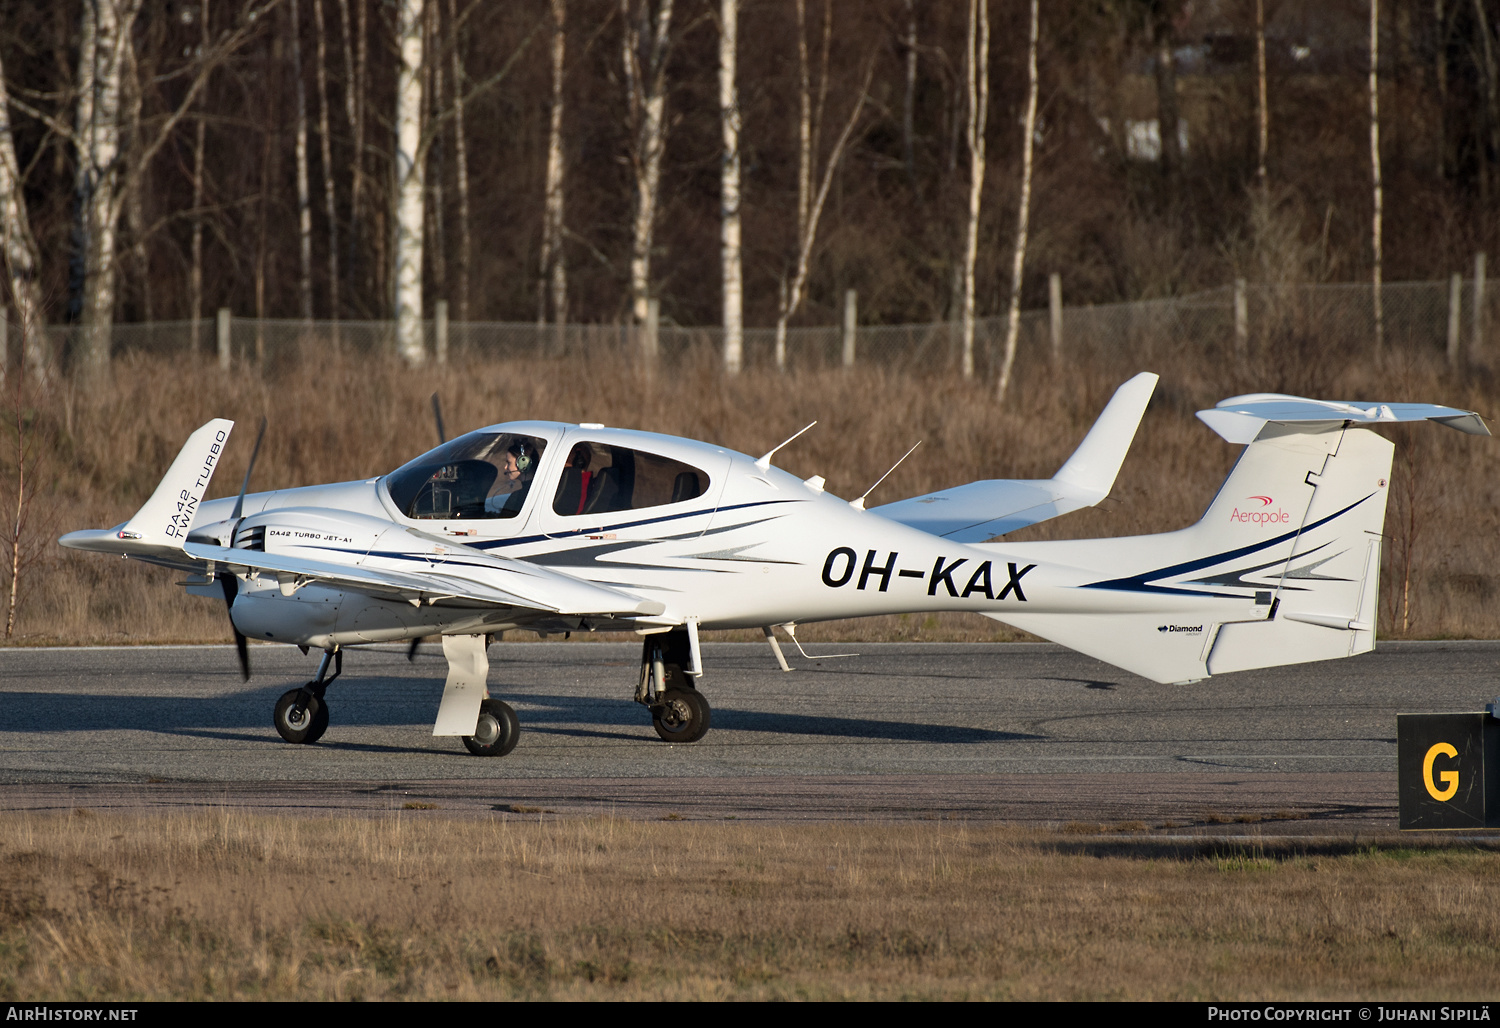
[{"x": 301, "y": 715}]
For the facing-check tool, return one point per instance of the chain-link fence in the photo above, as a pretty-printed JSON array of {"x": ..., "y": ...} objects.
[{"x": 1334, "y": 320}]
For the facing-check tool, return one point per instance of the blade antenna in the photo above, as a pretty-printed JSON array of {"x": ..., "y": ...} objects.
[
  {"x": 764, "y": 463},
  {"x": 859, "y": 504},
  {"x": 239, "y": 504},
  {"x": 437, "y": 413}
]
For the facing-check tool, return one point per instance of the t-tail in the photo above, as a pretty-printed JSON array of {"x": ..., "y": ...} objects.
[{"x": 1284, "y": 568}]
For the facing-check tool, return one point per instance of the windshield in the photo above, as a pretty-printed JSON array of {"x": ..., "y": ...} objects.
[{"x": 479, "y": 475}]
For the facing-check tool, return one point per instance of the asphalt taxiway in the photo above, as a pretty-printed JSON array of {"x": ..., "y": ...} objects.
[{"x": 1031, "y": 733}]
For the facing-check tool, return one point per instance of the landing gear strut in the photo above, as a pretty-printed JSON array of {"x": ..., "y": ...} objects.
[
  {"x": 302, "y": 714},
  {"x": 679, "y": 713}
]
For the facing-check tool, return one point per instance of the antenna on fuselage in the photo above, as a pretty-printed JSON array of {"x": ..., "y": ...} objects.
[
  {"x": 764, "y": 463},
  {"x": 437, "y": 412},
  {"x": 859, "y": 504}
]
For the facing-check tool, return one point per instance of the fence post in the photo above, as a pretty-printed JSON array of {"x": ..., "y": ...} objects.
[
  {"x": 650, "y": 335},
  {"x": 440, "y": 331},
  {"x": 1476, "y": 345},
  {"x": 851, "y": 322},
  {"x": 223, "y": 331},
  {"x": 1455, "y": 316},
  {"x": 1054, "y": 305},
  {"x": 1241, "y": 321}
]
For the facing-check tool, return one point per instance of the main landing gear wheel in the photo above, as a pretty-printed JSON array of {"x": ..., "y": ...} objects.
[
  {"x": 301, "y": 717},
  {"x": 681, "y": 716},
  {"x": 497, "y": 732}
]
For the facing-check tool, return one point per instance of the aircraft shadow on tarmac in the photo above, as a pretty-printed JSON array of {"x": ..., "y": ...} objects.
[{"x": 396, "y": 702}]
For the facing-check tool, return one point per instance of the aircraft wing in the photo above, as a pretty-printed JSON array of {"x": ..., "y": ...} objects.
[
  {"x": 982, "y": 510},
  {"x": 470, "y": 577}
]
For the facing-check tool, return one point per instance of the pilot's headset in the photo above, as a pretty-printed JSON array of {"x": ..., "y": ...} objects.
[{"x": 525, "y": 455}]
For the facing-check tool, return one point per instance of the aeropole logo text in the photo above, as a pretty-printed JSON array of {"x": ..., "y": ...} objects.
[{"x": 1257, "y": 512}]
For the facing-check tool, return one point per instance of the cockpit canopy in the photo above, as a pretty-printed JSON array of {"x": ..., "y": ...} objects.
[{"x": 478, "y": 475}]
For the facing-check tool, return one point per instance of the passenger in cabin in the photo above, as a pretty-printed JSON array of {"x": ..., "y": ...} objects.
[{"x": 573, "y": 488}]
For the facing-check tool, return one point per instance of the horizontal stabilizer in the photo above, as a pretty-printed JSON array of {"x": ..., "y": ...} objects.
[
  {"x": 1239, "y": 419},
  {"x": 983, "y": 510}
]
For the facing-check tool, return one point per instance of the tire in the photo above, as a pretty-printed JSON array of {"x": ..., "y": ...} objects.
[
  {"x": 497, "y": 733},
  {"x": 306, "y": 728},
  {"x": 682, "y": 716}
]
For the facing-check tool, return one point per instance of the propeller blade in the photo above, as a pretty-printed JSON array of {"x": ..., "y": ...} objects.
[
  {"x": 231, "y": 587},
  {"x": 437, "y": 412},
  {"x": 411, "y": 651},
  {"x": 239, "y": 504}
]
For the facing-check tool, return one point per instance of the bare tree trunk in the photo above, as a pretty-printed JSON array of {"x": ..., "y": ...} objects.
[
  {"x": 909, "y": 102},
  {"x": 1262, "y": 111},
  {"x": 83, "y": 182},
  {"x": 729, "y": 190},
  {"x": 433, "y": 86},
  {"x": 645, "y": 83},
  {"x": 355, "y": 83},
  {"x": 461, "y": 156},
  {"x": 330, "y": 197},
  {"x": 304, "y": 191},
  {"x": 410, "y": 191},
  {"x": 1377, "y": 197},
  {"x": 1166, "y": 97},
  {"x": 977, "y": 66},
  {"x": 132, "y": 191},
  {"x": 791, "y": 295},
  {"x": 22, "y": 257},
  {"x": 112, "y": 21},
  {"x": 195, "y": 271},
  {"x": 551, "y": 267},
  {"x": 1023, "y": 217}
]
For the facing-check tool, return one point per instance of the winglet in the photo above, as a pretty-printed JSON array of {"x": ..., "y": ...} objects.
[
  {"x": 1095, "y": 464},
  {"x": 165, "y": 519}
]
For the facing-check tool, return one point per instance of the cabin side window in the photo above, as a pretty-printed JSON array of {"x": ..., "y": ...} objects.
[{"x": 598, "y": 479}]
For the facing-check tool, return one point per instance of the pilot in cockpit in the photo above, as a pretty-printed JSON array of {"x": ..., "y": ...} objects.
[{"x": 509, "y": 492}]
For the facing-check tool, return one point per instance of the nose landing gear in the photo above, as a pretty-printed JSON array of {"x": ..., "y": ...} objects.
[{"x": 302, "y": 714}]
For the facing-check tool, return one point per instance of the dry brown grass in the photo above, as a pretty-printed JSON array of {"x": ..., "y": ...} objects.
[
  {"x": 227, "y": 905},
  {"x": 337, "y": 419}
]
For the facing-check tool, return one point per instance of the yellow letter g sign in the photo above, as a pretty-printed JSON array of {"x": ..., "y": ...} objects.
[{"x": 1448, "y": 778}]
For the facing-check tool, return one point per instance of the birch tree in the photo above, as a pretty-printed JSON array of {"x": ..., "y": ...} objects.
[
  {"x": 410, "y": 182},
  {"x": 810, "y": 204},
  {"x": 461, "y": 156},
  {"x": 106, "y": 35},
  {"x": 977, "y": 82},
  {"x": 22, "y": 257},
  {"x": 645, "y": 44},
  {"x": 330, "y": 196},
  {"x": 1023, "y": 216},
  {"x": 553, "y": 268},
  {"x": 304, "y": 191},
  {"x": 195, "y": 246},
  {"x": 729, "y": 191}
]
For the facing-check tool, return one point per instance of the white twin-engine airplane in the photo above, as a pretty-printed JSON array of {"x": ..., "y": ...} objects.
[{"x": 559, "y": 528}]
